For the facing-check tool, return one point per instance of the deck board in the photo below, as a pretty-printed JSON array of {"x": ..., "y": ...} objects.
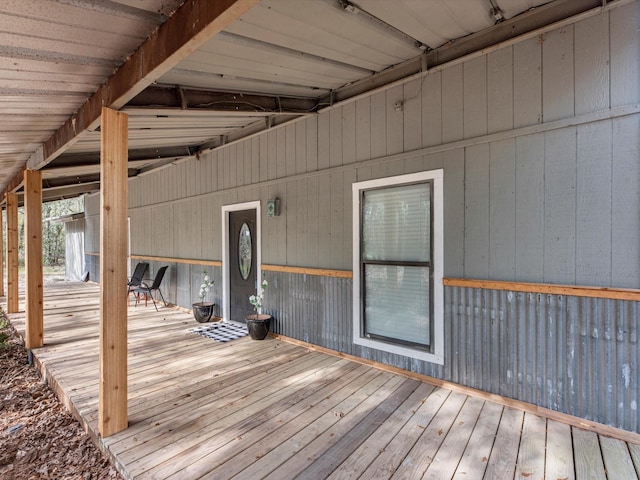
[
  {"x": 476, "y": 455},
  {"x": 588, "y": 458},
  {"x": 390, "y": 459},
  {"x": 379, "y": 441},
  {"x": 617, "y": 459},
  {"x": 531, "y": 456},
  {"x": 271, "y": 409},
  {"x": 560, "y": 463}
]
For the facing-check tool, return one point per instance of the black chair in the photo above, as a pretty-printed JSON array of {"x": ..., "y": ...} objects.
[
  {"x": 136, "y": 279},
  {"x": 147, "y": 290}
]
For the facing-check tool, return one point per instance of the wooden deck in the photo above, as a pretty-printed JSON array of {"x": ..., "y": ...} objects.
[{"x": 247, "y": 410}]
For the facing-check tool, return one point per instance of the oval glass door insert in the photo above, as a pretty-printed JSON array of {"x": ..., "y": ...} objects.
[{"x": 244, "y": 251}]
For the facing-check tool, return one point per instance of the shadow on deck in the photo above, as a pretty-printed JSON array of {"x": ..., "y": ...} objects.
[{"x": 270, "y": 409}]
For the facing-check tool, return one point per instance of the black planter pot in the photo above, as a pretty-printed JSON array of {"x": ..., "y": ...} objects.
[
  {"x": 203, "y": 311},
  {"x": 258, "y": 325}
]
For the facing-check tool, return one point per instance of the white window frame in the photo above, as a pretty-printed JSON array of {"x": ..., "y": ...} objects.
[{"x": 436, "y": 354}]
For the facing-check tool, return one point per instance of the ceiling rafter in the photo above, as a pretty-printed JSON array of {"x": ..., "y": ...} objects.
[
  {"x": 193, "y": 24},
  {"x": 158, "y": 96}
]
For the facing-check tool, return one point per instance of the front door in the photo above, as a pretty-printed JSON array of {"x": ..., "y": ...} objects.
[{"x": 243, "y": 266}]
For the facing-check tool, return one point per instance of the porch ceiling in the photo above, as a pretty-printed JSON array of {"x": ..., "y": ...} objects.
[{"x": 263, "y": 63}]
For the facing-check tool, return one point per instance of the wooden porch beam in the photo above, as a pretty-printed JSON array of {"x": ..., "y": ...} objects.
[
  {"x": 34, "y": 327},
  {"x": 112, "y": 405},
  {"x": 12, "y": 253},
  {"x": 192, "y": 25}
]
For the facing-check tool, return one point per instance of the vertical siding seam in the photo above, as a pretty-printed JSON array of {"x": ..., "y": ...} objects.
[
  {"x": 608, "y": 14},
  {"x": 486, "y": 93},
  {"x": 573, "y": 67},
  {"x": 611, "y": 177},
  {"x": 542, "y": 39},
  {"x": 575, "y": 211},
  {"x": 544, "y": 200}
]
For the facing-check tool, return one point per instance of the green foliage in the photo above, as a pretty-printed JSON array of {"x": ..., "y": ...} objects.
[{"x": 53, "y": 243}]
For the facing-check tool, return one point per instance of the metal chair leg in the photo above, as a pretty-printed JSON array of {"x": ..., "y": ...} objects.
[{"x": 153, "y": 300}]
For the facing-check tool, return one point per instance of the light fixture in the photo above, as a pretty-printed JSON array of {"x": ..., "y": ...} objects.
[{"x": 273, "y": 207}]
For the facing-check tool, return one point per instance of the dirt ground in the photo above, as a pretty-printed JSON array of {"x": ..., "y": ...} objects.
[{"x": 39, "y": 439}]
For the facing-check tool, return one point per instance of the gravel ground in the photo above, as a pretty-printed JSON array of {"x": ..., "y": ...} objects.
[{"x": 39, "y": 439}]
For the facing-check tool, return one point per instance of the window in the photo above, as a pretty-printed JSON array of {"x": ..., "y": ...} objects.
[{"x": 397, "y": 266}]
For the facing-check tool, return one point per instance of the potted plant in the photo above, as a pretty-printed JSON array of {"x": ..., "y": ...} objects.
[
  {"x": 258, "y": 323},
  {"x": 203, "y": 311}
]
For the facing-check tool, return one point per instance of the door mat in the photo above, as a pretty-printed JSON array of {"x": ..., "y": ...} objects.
[{"x": 221, "y": 332}]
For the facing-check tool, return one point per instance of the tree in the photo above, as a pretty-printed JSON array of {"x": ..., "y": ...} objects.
[{"x": 53, "y": 241}]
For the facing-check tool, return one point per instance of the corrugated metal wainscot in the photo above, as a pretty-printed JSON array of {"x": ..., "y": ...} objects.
[
  {"x": 312, "y": 308},
  {"x": 575, "y": 355}
]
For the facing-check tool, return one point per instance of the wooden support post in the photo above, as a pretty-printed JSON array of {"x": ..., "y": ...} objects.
[
  {"x": 112, "y": 408},
  {"x": 12, "y": 253},
  {"x": 34, "y": 327},
  {"x": 1, "y": 259}
]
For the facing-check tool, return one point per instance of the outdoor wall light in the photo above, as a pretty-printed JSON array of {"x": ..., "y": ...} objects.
[{"x": 273, "y": 207}]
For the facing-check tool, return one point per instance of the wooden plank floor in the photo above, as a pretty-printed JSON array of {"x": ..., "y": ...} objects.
[{"x": 248, "y": 410}]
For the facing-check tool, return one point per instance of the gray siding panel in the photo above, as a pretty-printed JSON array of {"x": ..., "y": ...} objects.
[
  {"x": 395, "y": 120},
  {"x": 530, "y": 208},
  {"x": 500, "y": 90},
  {"x": 475, "y": 97},
  {"x": 432, "y": 109},
  {"x": 593, "y": 209},
  {"x": 412, "y": 121},
  {"x": 454, "y": 212},
  {"x": 625, "y": 52},
  {"x": 625, "y": 208},
  {"x": 560, "y": 206},
  {"x": 502, "y": 211},
  {"x": 378, "y": 125},
  {"x": 476, "y": 238},
  {"x": 527, "y": 83},
  {"x": 557, "y": 74},
  {"x": 335, "y": 137},
  {"x": 452, "y": 104},
  {"x": 592, "y": 64}
]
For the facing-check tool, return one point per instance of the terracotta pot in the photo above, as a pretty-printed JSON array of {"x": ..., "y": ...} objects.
[
  {"x": 203, "y": 311},
  {"x": 258, "y": 325}
]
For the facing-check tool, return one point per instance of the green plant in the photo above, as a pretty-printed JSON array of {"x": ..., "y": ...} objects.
[
  {"x": 207, "y": 283},
  {"x": 256, "y": 300}
]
